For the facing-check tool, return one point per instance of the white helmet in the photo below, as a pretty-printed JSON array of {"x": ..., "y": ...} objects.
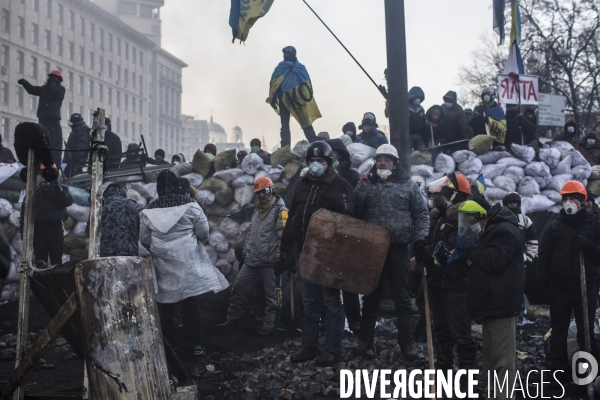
[{"x": 387, "y": 150}]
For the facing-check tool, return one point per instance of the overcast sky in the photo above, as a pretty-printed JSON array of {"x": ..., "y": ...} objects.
[{"x": 232, "y": 80}]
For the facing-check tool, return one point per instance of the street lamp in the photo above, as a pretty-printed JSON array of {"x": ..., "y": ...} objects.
[
  {"x": 564, "y": 54},
  {"x": 532, "y": 61}
]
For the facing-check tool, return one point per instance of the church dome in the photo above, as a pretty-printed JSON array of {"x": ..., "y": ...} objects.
[
  {"x": 213, "y": 127},
  {"x": 216, "y": 133}
]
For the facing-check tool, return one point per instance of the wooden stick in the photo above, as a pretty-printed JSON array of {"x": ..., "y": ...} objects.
[
  {"x": 292, "y": 295},
  {"x": 26, "y": 262},
  {"x": 586, "y": 321},
  {"x": 96, "y": 190},
  {"x": 428, "y": 323},
  {"x": 41, "y": 344}
]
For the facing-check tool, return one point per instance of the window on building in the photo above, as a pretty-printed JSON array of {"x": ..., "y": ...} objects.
[
  {"x": 133, "y": 131},
  {"x": 60, "y": 10},
  {"x": 81, "y": 56},
  {"x": 91, "y": 89},
  {"x": 118, "y": 46},
  {"x": 47, "y": 44},
  {"x": 33, "y": 101},
  {"x": 35, "y": 4},
  {"x": 141, "y": 85},
  {"x": 132, "y": 104},
  {"x": 100, "y": 92},
  {"x": 82, "y": 27},
  {"x": 70, "y": 80},
  {"x": 127, "y": 51},
  {"x": 125, "y": 125},
  {"x": 80, "y": 85},
  {"x": 118, "y": 124},
  {"x": 101, "y": 64},
  {"x": 91, "y": 65},
  {"x": 71, "y": 20},
  {"x": 69, "y": 109},
  {"x": 109, "y": 69},
  {"x": 34, "y": 67},
  {"x": 80, "y": 110},
  {"x": 118, "y": 99},
  {"x": 127, "y": 8},
  {"x": 126, "y": 76},
  {"x": 126, "y": 102},
  {"x": 71, "y": 50},
  {"x": 118, "y": 74},
  {"x": 48, "y": 8},
  {"x": 20, "y": 96},
  {"x": 5, "y": 20},
  {"x": 109, "y": 95},
  {"x": 133, "y": 79},
  {"x": 21, "y": 27},
  {"x": 110, "y": 42},
  {"x": 59, "y": 45},
  {"x": 4, "y": 59},
  {"x": 91, "y": 116},
  {"x": 46, "y": 68},
  {"x": 5, "y": 126},
  {"x": 34, "y": 33},
  {"x": 133, "y": 54},
  {"x": 20, "y": 62},
  {"x": 92, "y": 31},
  {"x": 102, "y": 38},
  {"x": 4, "y": 92},
  {"x": 140, "y": 129},
  {"x": 141, "y": 58}
]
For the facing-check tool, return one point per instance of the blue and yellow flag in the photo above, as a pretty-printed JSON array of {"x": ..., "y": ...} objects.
[
  {"x": 480, "y": 182},
  {"x": 515, "y": 25},
  {"x": 292, "y": 82},
  {"x": 244, "y": 14}
]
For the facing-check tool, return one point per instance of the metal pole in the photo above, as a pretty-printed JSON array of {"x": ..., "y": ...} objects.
[
  {"x": 428, "y": 323},
  {"x": 26, "y": 265},
  {"x": 397, "y": 80},
  {"x": 586, "y": 321},
  {"x": 96, "y": 190},
  {"x": 293, "y": 308}
]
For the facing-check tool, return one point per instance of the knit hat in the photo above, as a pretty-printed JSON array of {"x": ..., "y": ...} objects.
[
  {"x": 159, "y": 152},
  {"x": 210, "y": 148}
]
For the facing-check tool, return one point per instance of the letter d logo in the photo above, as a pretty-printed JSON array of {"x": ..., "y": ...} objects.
[{"x": 584, "y": 364}]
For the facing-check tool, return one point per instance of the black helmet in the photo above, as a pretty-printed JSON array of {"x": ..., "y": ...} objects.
[
  {"x": 319, "y": 149},
  {"x": 489, "y": 91},
  {"x": 75, "y": 118},
  {"x": 512, "y": 197}
]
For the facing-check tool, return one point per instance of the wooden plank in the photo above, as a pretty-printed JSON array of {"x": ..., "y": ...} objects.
[
  {"x": 41, "y": 345},
  {"x": 52, "y": 396},
  {"x": 342, "y": 252},
  {"x": 96, "y": 189}
]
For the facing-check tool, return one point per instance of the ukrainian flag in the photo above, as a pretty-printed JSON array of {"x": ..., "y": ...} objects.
[
  {"x": 515, "y": 26},
  {"x": 480, "y": 182},
  {"x": 291, "y": 79},
  {"x": 243, "y": 15}
]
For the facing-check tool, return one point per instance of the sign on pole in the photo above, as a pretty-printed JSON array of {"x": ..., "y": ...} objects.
[
  {"x": 551, "y": 110},
  {"x": 510, "y": 89}
]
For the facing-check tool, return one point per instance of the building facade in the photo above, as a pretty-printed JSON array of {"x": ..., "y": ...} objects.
[{"x": 194, "y": 135}]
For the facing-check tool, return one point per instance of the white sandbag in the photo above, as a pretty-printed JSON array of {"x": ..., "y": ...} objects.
[
  {"x": 359, "y": 153},
  {"x": 535, "y": 203},
  {"x": 347, "y": 140},
  {"x": 563, "y": 167},
  {"x": 444, "y": 163},
  {"x": 252, "y": 162},
  {"x": 555, "y": 208},
  {"x": 528, "y": 187},
  {"x": 514, "y": 173},
  {"x": 231, "y": 256},
  {"x": 550, "y": 156},
  {"x": 558, "y": 181},
  {"x": 552, "y": 195},
  {"x": 142, "y": 251},
  {"x": 245, "y": 228},
  {"x": 79, "y": 229},
  {"x": 213, "y": 225},
  {"x": 595, "y": 173},
  {"x": 223, "y": 266},
  {"x": 218, "y": 241},
  {"x": 79, "y": 213},
  {"x": 561, "y": 146},
  {"x": 182, "y": 169},
  {"x": 494, "y": 193},
  {"x": 273, "y": 172},
  {"x": 581, "y": 172},
  {"x": 137, "y": 197},
  {"x": 217, "y": 210},
  {"x": 17, "y": 242},
  {"x": 425, "y": 171},
  {"x": 229, "y": 175},
  {"x": 242, "y": 180},
  {"x": 195, "y": 179},
  {"x": 472, "y": 177},
  {"x": 261, "y": 173},
  {"x": 491, "y": 157},
  {"x": 463, "y": 155},
  {"x": 490, "y": 171},
  {"x": 421, "y": 182},
  {"x": 504, "y": 183},
  {"x": 15, "y": 218},
  {"x": 537, "y": 168},
  {"x": 5, "y": 208},
  {"x": 576, "y": 158},
  {"x": 512, "y": 162},
  {"x": 244, "y": 195},
  {"x": 229, "y": 228},
  {"x": 543, "y": 181},
  {"x": 525, "y": 153},
  {"x": 9, "y": 292},
  {"x": 212, "y": 254},
  {"x": 436, "y": 175},
  {"x": 79, "y": 195},
  {"x": 148, "y": 190},
  {"x": 206, "y": 197},
  {"x": 300, "y": 148},
  {"x": 366, "y": 165},
  {"x": 471, "y": 166},
  {"x": 489, "y": 183}
]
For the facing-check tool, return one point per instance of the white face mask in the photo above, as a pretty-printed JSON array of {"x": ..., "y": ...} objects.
[
  {"x": 349, "y": 133},
  {"x": 335, "y": 164},
  {"x": 591, "y": 142},
  {"x": 449, "y": 105},
  {"x": 487, "y": 98},
  {"x": 570, "y": 129},
  {"x": 570, "y": 207},
  {"x": 416, "y": 102},
  {"x": 384, "y": 173},
  {"x": 430, "y": 204}
]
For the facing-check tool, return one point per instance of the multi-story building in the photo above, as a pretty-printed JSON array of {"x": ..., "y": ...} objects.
[
  {"x": 105, "y": 63},
  {"x": 194, "y": 135}
]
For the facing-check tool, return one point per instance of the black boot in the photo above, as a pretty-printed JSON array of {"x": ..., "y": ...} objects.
[
  {"x": 304, "y": 354},
  {"x": 228, "y": 324},
  {"x": 362, "y": 348},
  {"x": 409, "y": 351},
  {"x": 328, "y": 358},
  {"x": 445, "y": 357}
]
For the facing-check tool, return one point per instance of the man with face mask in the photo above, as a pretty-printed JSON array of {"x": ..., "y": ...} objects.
[
  {"x": 491, "y": 243},
  {"x": 350, "y": 129},
  {"x": 569, "y": 134},
  {"x": 437, "y": 130},
  {"x": 321, "y": 187},
  {"x": 488, "y": 116},
  {"x": 448, "y": 282},
  {"x": 370, "y": 135},
  {"x": 589, "y": 147},
  {"x": 386, "y": 196},
  {"x": 520, "y": 129},
  {"x": 455, "y": 121},
  {"x": 417, "y": 122},
  {"x": 575, "y": 231},
  {"x": 79, "y": 139},
  {"x": 256, "y": 147}
]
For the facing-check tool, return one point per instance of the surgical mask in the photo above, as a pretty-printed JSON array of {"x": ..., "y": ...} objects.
[
  {"x": 449, "y": 105},
  {"x": 335, "y": 164},
  {"x": 70, "y": 123},
  {"x": 487, "y": 98},
  {"x": 384, "y": 173},
  {"x": 570, "y": 207},
  {"x": 570, "y": 129},
  {"x": 416, "y": 102},
  {"x": 591, "y": 142},
  {"x": 316, "y": 169},
  {"x": 430, "y": 204},
  {"x": 254, "y": 149},
  {"x": 349, "y": 133}
]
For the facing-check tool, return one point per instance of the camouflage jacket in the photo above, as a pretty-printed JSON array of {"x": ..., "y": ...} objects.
[{"x": 120, "y": 224}]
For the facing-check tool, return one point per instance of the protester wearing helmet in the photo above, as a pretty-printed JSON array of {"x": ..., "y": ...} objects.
[
  {"x": 488, "y": 116},
  {"x": 79, "y": 139},
  {"x": 575, "y": 233},
  {"x": 448, "y": 294},
  {"x": 386, "y": 196},
  {"x": 51, "y": 96},
  {"x": 261, "y": 258},
  {"x": 370, "y": 135},
  {"x": 589, "y": 147},
  {"x": 321, "y": 187},
  {"x": 490, "y": 242}
]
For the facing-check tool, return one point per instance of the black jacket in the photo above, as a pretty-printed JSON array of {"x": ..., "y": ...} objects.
[
  {"x": 51, "y": 96},
  {"x": 455, "y": 121},
  {"x": 79, "y": 139},
  {"x": 5, "y": 255},
  {"x": 417, "y": 121},
  {"x": 558, "y": 263},
  {"x": 497, "y": 277},
  {"x": 51, "y": 201},
  {"x": 344, "y": 168},
  {"x": 6, "y": 156},
  {"x": 115, "y": 148},
  {"x": 517, "y": 126}
]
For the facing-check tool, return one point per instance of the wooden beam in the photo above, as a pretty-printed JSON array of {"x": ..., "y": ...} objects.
[{"x": 41, "y": 345}]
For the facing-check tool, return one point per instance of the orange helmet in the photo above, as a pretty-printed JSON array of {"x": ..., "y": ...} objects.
[
  {"x": 262, "y": 183},
  {"x": 574, "y": 187},
  {"x": 454, "y": 181},
  {"x": 56, "y": 73}
]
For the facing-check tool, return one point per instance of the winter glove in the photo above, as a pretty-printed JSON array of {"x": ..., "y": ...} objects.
[
  {"x": 462, "y": 242},
  {"x": 22, "y": 81},
  {"x": 456, "y": 254},
  {"x": 420, "y": 251},
  {"x": 280, "y": 266},
  {"x": 291, "y": 264},
  {"x": 581, "y": 242}
]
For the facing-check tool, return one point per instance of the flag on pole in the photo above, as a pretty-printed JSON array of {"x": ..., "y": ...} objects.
[
  {"x": 515, "y": 25},
  {"x": 243, "y": 15},
  {"x": 480, "y": 182},
  {"x": 499, "y": 19},
  {"x": 514, "y": 63}
]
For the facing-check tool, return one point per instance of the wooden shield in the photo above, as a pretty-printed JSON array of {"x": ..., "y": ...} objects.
[{"x": 342, "y": 252}]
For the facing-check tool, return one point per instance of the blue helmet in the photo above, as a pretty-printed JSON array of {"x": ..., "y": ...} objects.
[{"x": 289, "y": 49}]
